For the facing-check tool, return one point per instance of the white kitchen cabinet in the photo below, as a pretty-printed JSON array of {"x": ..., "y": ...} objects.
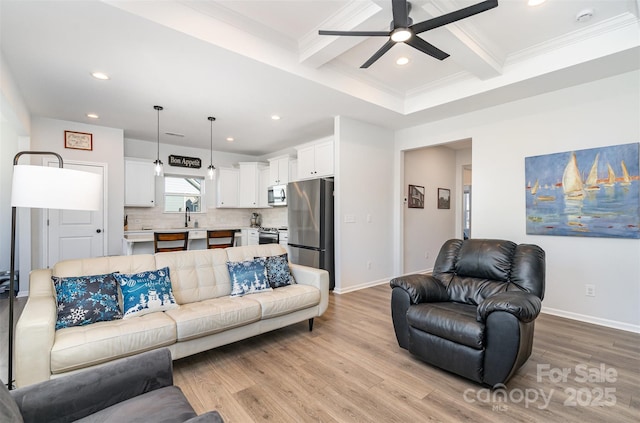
[
  {"x": 249, "y": 236},
  {"x": 263, "y": 187},
  {"x": 279, "y": 171},
  {"x": 249, "y": 194},
  {"x": 227, "y": 187},
  {"x": 315, "y": 160},
  {"x": 139, "y": 183}
]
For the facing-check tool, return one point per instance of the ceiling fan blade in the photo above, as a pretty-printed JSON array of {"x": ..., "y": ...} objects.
[
  {"x": 425, "y": 47},
  {"x": 454, "y": 16},
  {"x": 400, "y": 11},
  {"x": 378, "y": 54},
  {"x": 356, "y": 33}
]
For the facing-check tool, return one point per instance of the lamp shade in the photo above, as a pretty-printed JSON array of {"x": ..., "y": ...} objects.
[{"x": 55, "y": 188}]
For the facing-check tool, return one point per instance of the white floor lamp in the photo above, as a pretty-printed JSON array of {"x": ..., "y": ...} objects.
[{"x": 46, "y": 188}]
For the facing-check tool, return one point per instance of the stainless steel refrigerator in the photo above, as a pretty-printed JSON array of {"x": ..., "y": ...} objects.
[{"x": 310, "y": 212}]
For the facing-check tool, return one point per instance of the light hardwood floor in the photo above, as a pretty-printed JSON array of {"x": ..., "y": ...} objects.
[{"x": 350, "y": 369}]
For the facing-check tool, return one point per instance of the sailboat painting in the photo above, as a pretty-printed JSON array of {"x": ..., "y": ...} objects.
[{"x": 589, "y": 193}]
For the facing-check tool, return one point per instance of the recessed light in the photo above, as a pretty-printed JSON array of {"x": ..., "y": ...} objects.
[
  {"x": 100, "y": 75},
  {"x": 92, "y": 116},
  {"x": 402, "y": 61},
  {"x": 535, "y": 2},
  {"x": 230, "y": 139},
  {"x": 275, "y": 117}
]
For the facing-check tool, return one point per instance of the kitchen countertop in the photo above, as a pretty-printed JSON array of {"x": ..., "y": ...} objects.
[{"x": 146, "y": 235}]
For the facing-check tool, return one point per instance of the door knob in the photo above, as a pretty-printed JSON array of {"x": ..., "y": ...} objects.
[{"x": 98, "y": 231}]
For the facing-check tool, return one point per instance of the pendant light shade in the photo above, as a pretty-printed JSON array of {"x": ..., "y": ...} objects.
[
  {"x": 211, "y": 169},
  {"x": 158, "y": 163}
]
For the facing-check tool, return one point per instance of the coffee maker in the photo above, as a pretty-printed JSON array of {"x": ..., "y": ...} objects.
[{"x": 256, "y": 220}]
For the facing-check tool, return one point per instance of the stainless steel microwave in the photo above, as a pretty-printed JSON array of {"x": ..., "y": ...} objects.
[{"x": 277, "y": 195}]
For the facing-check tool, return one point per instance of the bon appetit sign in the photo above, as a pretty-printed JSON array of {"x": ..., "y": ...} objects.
[{"x": 183, "y": 161}]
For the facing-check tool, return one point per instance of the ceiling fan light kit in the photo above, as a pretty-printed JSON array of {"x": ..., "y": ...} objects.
[{"x": 403, "y": 30}]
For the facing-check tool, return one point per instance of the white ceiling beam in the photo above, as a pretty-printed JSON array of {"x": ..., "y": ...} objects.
[
  {"x": 316, "y": 50},
  {"x": 473, "y": 53}
]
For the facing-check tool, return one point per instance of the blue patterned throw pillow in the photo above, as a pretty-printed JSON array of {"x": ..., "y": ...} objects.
[
  {"x": 248, "y": 277},
  {"x": 146, "y": 292},
  {"x": 86, "y": 299},
  {"x": 278, "y": 273}
]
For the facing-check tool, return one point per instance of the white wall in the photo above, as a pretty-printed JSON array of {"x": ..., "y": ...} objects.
[
  {"x": 363, "y": 188},
  {"x": 48, "y": 135},
  {"x": 591, "y": 115},
  {"x": 425, "y": 230},
  {"x": 15, "y": 124}
]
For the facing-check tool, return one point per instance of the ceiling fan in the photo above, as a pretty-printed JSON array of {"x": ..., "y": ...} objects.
[{"x": 403, "y": 30}]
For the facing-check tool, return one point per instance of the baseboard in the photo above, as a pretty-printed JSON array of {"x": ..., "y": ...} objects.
[
  {"x": 360, "y": 286},
  {"x": 369, "y": 284},
  {"x": 591, "y": 319}
]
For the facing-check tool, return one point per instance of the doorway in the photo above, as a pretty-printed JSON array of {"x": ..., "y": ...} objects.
[
  {"x": 76, "y": 234},
  {"x": 466, "y": 201}
]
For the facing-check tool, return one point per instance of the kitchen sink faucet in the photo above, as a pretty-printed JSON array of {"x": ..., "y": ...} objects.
[{"x": 187, "y": 217}]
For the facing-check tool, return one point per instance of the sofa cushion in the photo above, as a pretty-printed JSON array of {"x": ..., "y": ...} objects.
[
  {"x": 146, "y": 292},
  {"x": 455, "y": 322},
  {"x": 287, "y": 299},
  {"x": 83, "y": 346},
  {"x": 197, "y": 275},
  {"x": 167, "y": 404},
  {"x": 82, "y": 300},
  {"x": 248, "y": 252},
  {"x": 248, "y": 277},
  {"x": 206, "y": 317}
]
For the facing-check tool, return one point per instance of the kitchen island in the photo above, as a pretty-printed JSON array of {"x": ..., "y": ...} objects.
[{"x": 141, "y": 241}]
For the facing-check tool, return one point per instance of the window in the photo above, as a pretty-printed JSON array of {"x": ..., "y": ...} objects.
[{"x": 182, "y": 192}]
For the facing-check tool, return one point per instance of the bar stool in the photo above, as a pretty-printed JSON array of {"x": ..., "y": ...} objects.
[
  {"x": 170, "y": 241},
  {"x": 214, "y": 238}
]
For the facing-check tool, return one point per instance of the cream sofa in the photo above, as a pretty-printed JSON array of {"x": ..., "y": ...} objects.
[{"x": 206, "y": 318}]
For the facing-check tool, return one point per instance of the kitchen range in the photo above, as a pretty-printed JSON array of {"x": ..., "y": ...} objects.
[{"x": 273, "y": 236}]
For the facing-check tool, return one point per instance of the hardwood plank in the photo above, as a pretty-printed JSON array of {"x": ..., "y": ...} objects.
[{"x": 351, "y": 369}]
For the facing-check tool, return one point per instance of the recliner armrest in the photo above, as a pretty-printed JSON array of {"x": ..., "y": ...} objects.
[
  {"x": 421, "y": 288},
  {"x": 524, "y": 305},
  {"x": 81, "y": 394}
]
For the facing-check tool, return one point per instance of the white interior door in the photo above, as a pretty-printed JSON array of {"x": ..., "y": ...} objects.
[{"x": 74, "y": 234}]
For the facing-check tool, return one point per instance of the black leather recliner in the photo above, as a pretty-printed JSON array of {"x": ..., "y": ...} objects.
[{"x": 474, "y": 315}]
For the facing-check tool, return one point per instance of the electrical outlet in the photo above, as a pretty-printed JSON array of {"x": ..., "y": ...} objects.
[
  {"x": 369, "y": 265},
  {"x": 590, "y": 290},
  {"x": 426, "y": 254}
]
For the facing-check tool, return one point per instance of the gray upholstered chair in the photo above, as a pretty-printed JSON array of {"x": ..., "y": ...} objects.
[
  {"x": 474, "y": 315},
  {"x": 134, "y": 389}
]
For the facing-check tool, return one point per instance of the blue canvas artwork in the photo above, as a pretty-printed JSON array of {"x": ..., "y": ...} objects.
[{"x": 591, "y": 193}]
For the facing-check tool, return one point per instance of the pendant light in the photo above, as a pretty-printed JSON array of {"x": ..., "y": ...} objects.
[
  {"x": 211, "y": 169},
  {"x": 158, "y": 163}
]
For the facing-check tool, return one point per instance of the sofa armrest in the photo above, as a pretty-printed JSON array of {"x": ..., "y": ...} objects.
[
  {"x": 421, "y": 288},
  {"x": 81, "y": 394},
  {"x": 524, "y": 305},
  {"x": 319, "y": 278},
  {"x": 208, "y": 417},
  {"x": 34, "y": 337}
]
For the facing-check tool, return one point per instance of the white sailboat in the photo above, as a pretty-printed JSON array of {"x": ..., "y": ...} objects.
[
  {"x": 591, "y": 183},
  {"x": 534, "y": 190},
  {"x": 571, "y": 180},
  {"x": 611, "y": 180},
  {"x": 626, "y": 179}
]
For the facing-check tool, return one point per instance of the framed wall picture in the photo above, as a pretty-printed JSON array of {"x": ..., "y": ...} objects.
[
  {"x": 78, "y": 140},
  {"x": 444, "y": 198},
  {"x": 416, "y": 197}
]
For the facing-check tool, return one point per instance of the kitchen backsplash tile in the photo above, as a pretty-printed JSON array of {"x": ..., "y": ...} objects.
[{"x": 153, "y": 218}]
